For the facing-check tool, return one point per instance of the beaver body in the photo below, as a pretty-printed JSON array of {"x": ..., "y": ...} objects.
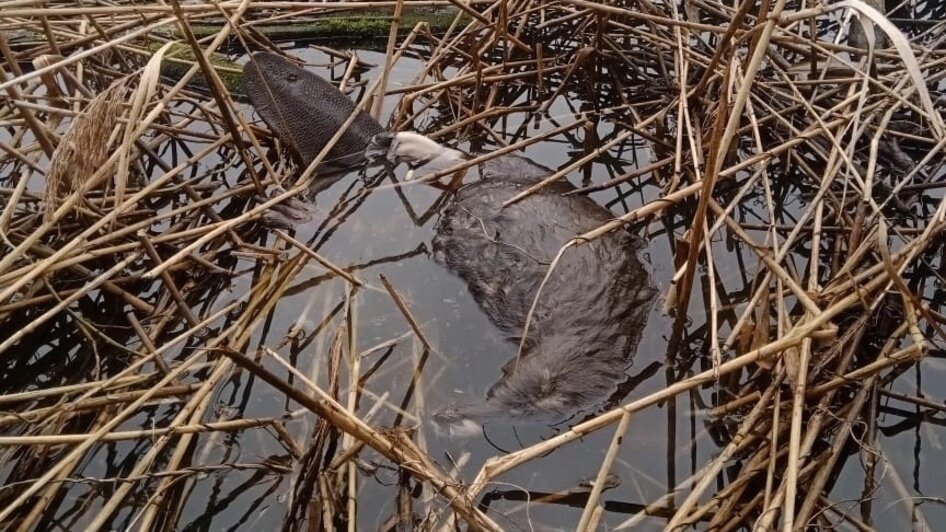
[{"x": 590, "y": 314}]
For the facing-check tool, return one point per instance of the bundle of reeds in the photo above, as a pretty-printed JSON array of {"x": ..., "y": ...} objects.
[{"x": 794, "y": 179}]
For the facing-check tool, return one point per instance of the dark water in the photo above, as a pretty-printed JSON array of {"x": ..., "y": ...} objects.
[{"x": 386, "y": 230}]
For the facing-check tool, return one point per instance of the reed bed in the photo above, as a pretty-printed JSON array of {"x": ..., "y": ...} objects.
[{"x": 796, "y": 180}]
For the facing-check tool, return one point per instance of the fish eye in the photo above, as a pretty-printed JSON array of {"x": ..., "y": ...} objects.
[{"x": 292, "y": 78}]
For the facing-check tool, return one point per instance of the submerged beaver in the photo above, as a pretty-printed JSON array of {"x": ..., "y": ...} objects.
[{"x": 589, "y": 316}]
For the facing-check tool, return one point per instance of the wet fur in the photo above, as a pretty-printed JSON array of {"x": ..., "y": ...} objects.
[{"x": 588, "y": 320}]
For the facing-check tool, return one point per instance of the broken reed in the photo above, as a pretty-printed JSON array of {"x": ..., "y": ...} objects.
[{"x": 819, "y": 167}]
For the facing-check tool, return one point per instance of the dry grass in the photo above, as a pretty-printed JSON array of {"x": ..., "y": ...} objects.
[{"x": 816, "y": 169}]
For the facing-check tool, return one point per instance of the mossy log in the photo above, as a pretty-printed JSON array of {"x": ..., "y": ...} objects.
[
  {"x": 364, "y": 29},
  {"x": 180, "y": 58}
]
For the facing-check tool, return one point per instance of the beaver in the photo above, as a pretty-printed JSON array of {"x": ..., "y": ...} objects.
[{"x": 589, "y": 316}]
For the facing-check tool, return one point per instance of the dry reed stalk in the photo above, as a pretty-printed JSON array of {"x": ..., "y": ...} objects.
[
  {"x": 740, "y": 133},
  {"x": 378, "y": 95},
  {"x": 321, "y": 260},
  {"x": 66, "y": 439},
  {"x": 399, "y": 301},
  {"x": 708, "y": 475},
  {"x": 262, "y": 298},
  {"x": 80, "y": 449},
  {"x": 591, "y": 513},
  {"x": 395, "y": 450}
]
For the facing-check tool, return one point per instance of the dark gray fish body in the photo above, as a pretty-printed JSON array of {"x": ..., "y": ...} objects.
[
  {"x": 305, "y": 110},
  {"x": 590, "y": 315}
]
